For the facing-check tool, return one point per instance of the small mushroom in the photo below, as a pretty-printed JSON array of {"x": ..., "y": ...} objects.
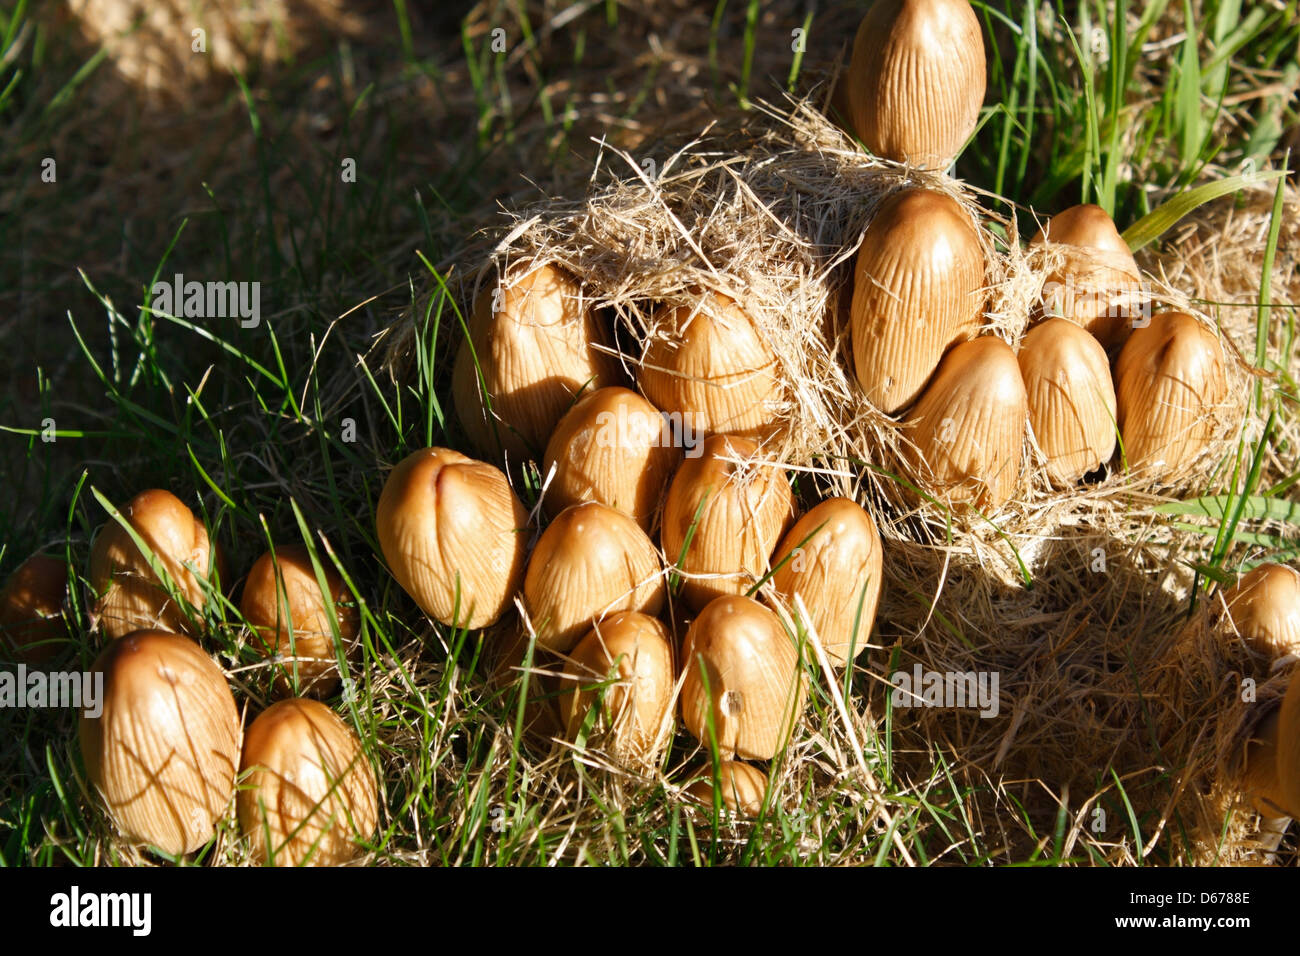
[
  {"x": 916, "y": 80},
  {"x": 284, "y": 604},
  {"x": 968, "y": 429},
  {"x": 831, "y": 559},
  {"x": 1071, "y": 398},
  {"x": 918, "y": 287},
  {"x": 131, "y": 595},
  {"x": 308, "y": 792},
  {"x": 615, "y": 448},
  {"x": 164, "y": 748},
  {"x": 31, "y": 609},
  {"x": 534, "y": 345},
  {"x": 1260, "y": 783},
  {"x": 708, "y": 365},
  {"x": 725, "y": 512},
  {"x": 1168, "y": 379},
  {"x": 1264, "y": 608},
  {"x": 454, "y": 536},
  {"x": 755, "y": 686},
  {"x": 627, "y": 661},
  {"x": 742, "y": 787},
  {"x": 1098, "y": 284},
  {"x": 590, "y": 562},
  {"x": 1286, "y": 743}
]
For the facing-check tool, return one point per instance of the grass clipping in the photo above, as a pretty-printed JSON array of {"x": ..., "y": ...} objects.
[{"x": 1074, "y": 600}]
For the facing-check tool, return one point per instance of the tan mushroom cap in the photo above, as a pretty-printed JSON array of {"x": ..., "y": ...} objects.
[
  {"x": 308, "y": 791},
  {"x": 287, "y": 611},
  {"x": 31, "y": 609},
  {"x": 454, "y": 535},
  {"x": 164, "y": 750},
  {"x": 130, "y": 595}
]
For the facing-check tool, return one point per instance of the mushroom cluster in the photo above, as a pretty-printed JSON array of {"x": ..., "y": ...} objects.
[
  {"x": 672, "y": 559},
  {"x": 166, "y": 751},
  {"x": 677, "y": 577},
  {"x": 670, "y": 574},
  {"x": 966, "y": 401}
]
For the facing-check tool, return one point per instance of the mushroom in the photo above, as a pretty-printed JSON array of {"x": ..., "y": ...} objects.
[
  {"x": 708, "y": 366},
  {"x": 831, "y": 559},
  {"x": 755, "y": 686},
  {"x": 918, "y": 287},
  {"x": 1285, "y": 741},
  {"x": 627, "y": 661},
  {"x": 1264, "y": 608},
  {"x": 131, "y": 595},
  {"x": 1168, "y": 379},
  {"x": 590, "y": 562},
  {"x": 1071, "y": 398},
  {"x": 534, "y": 344},
  {"x": 308, "y": 792},
  {"x": 286, "y": 608},
  {"x": 916, "y": 80},
  {"x": 724, "y": 513},
  {"x": 454, "y": 536},
  {"x": 1098, "y": 284},
  {"x": 968, "y": 429},
  {"x": 31, "y": 609},
  {"x": 742, "y": 787},
  {"x": 163, "y": 751},
  {"x": 1260, "y": 783},
  {"x": 615, "y": 448}
]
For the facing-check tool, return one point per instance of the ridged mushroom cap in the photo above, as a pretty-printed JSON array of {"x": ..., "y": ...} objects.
[
  {"x": 163, "y": 751},
  {"x": 918, "y": 287},
  {"x": 1168, "y": 379},
  {"x": 722, "y": 519},
  {"x": 537, "y": 344},
  {"x": 969, "y": 427},
  {"x": 916, "y": 79},
  {"x": 454, "y": 535},
  {"x": 708, "y": 364},
  {"x": 131, "y": 596},
  {"x": 628, "y": 659},
  {"x": 756, "y": 689},
  {"x": 615, "y": 448},
  {"x": 1098, "y": 283},
  {"x": 308, "y": 791},
  {"x": 835, "y": 566},
  {"x": 1071, "y": 398},
  {"x": 590, "y": 562},
  {"x": 284, "y": 604}
]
